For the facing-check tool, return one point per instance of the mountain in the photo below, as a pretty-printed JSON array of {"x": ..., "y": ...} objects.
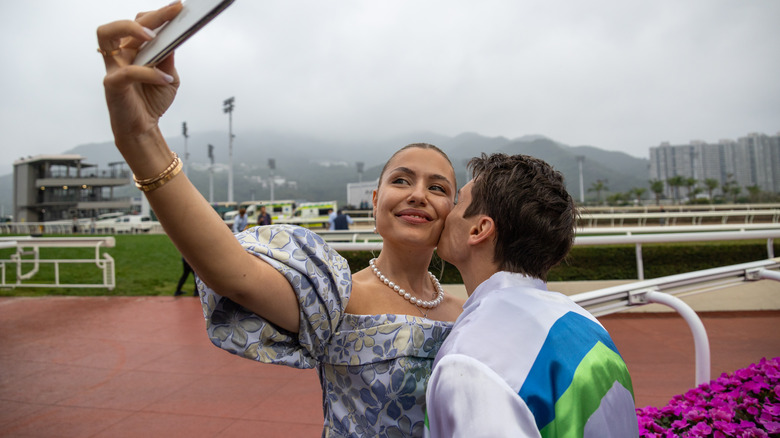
[{"x": 315, "y": 169}]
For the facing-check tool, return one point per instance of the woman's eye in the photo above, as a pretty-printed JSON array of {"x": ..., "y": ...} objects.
[
  {"x": 439, "y": 188},
  {"x": 400, "y": 181}
]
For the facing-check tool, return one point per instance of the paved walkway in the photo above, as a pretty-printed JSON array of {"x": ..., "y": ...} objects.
[{"x": 143, "y": 366}]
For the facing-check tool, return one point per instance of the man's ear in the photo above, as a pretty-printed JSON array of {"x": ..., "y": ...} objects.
[{"x": 482, "y": 230}]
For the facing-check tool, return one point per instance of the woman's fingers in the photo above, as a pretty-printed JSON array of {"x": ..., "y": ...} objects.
[
  {"x": 121, "y": 39},
  {"x": 129, "y": 74},
  {"x": 155, "y": 19}
]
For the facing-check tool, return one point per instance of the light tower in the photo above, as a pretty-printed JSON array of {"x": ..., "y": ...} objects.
[
  {"x": 580, "y": 161},
  {"x": 211, "y": 174},
  {"x": 360, "y": 166},
  {"x": 186, "y": 154},
  {"x": 228, "y": 108},
  {"x": 272, "y": 166}
]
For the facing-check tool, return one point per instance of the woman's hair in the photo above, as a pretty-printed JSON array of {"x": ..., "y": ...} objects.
[
  {"x": 419, "y": 146},
  {"x": 535, "y": 216}
]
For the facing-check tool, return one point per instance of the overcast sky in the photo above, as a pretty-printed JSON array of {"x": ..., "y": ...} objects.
[{"x": 619, "y": 75}]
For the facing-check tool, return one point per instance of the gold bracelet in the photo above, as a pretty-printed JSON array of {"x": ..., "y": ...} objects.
[{"x": 149, "y": 184}]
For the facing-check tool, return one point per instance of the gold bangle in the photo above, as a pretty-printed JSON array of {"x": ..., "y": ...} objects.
[{"x": 149, "y": 184}]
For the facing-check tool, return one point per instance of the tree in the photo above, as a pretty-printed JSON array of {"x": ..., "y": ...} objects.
[
  {"x": 731, "y": 188},
  {"x": 755, "y": 193},
  {"x": 598, "y": 187},
  {"x": 657, "y": 187},
  {"x": 675, "y": 183},
  {"x": 711, "y": 184},
  {"x": 618, "y": 199},
  {"x": 689, "y": 184},
  {"x": 638, "y": 192}
]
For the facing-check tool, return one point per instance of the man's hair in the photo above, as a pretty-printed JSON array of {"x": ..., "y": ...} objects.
[{"x": 535, "y": 216}]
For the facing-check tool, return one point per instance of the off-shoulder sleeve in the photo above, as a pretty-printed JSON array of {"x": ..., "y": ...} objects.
[{"x": 321, "y": 280}]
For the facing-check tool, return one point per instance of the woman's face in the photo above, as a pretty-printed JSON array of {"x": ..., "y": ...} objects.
[{"x": 414, "y": 196}]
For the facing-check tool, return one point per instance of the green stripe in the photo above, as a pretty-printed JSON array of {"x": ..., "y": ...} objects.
[{"x": 594, "y": 377}]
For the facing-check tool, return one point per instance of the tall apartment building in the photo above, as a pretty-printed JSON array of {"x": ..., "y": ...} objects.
[
  {"x": 753, "y": 160},
  {"x": 58, "y": 187}
]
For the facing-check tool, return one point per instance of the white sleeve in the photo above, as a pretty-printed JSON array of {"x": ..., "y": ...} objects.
[{"x": 465, "y": 398}]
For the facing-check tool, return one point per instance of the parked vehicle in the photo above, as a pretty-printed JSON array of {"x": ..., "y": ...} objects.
[
  {"x": 311, "y": 214},
  {"x": 277, "y": 209},
  {"x": 129, "y": 223}
]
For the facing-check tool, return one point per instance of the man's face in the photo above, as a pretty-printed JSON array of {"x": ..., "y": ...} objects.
[{"x": 452, "y": 245}]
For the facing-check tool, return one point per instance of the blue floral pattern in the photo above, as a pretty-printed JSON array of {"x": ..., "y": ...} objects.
[{"x": 373, "y": 368}]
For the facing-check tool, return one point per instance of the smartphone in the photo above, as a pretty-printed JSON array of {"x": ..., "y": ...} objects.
[{"x": 193, "y": 16}]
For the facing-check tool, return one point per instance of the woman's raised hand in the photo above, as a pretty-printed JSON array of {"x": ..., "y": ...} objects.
[{"x": 137, "y": 96}]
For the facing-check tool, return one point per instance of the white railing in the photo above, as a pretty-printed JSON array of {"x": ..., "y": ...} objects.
[
  {"x": 650, "y": 229},
  {"x": 667, "y": 290},
  {"x": 670, "y": 218},
  {"x": 365, "y": 236},
  {"x": 619, "y": 239},
  {"x": 638, "y": 239},
  {"x": 30, "y": 246},
  {"x": 66, "y": 227}
]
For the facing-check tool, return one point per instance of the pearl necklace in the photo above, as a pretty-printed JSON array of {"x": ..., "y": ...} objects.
[{"x": 406, "y": 295}]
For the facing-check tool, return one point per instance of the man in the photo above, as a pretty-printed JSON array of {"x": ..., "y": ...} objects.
[
  {"x": 240, "y": 222},
  {"x": 522, "y": 361},
  {"x": 342, "y": 221},
  {"x": 263, "y": 218}
]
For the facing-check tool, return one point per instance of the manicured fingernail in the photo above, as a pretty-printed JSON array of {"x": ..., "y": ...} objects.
[
  {"x": 150, "y": 32},
  {"x": 174, "y": 2},
  {"x": 168, "y": 78}
]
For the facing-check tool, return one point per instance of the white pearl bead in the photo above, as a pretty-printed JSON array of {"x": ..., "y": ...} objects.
[{"x": 414, "y": 300}]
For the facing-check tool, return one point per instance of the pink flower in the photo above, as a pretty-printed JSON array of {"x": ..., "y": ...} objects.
[
  {"x": 727, "y": 427},
  {"x": 701, "y": 429},
  {"x": 723, "y": 408},
  {"x": 771, "y": 426}
]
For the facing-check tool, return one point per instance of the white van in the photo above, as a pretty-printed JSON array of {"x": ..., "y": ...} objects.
[
  {"x": 312, "y": 214},
  {"x": 277, "y": 209}
]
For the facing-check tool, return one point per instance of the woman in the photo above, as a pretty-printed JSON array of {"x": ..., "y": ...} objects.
[{"x": 279, "y": 294}]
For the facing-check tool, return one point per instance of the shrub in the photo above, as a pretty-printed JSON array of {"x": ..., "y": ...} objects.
[{"x": 743, "y": 404}]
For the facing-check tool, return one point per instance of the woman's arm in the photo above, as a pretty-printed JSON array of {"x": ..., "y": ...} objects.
[{"x": 137, "y": 97}]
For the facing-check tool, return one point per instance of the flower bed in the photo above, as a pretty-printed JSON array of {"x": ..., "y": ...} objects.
[{"x": 743, "y": 404}]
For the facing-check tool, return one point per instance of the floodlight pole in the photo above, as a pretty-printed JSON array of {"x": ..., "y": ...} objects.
[
  {"x": 228, "y": 108},
  {"x": 186, "y": 154},
  {"x": 272, "y": 166},
  {"x": 580, "y": 161},
  {"x": 211, "y": 174}
]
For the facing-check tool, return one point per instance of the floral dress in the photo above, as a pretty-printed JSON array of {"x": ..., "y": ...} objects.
[{"x": 373, "y": 368}]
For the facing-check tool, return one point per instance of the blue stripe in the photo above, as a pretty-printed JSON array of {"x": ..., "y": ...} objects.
[{"x": 570, "y": 338}]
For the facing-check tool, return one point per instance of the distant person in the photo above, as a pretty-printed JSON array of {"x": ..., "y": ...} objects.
[
  {"x": 186, "y": 271},
  {"x": 75, "y": 225},
  {"x": 240, "y": 222},
  {"x": 263, "y": 218},
  {"x": 522, "y": 361},
  {"x": 342, "y": 221},
  {"x": 331, "y": 218}
]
